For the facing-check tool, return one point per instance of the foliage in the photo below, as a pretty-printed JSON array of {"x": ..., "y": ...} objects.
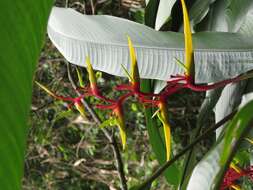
[
  {"x": 188, "y": 79},
  {"x": 22, "y": 39},
  {"x": 68, "y": 144}
]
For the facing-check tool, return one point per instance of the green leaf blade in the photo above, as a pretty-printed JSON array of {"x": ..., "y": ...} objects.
[
  {"x": 209, "y": 172},
  {"x": 21, "y": 41}
]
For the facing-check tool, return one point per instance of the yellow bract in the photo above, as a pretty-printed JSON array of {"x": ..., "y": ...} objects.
[
  {"x": 120, "y": 122},
  {"x": 46, "y": 89},
  {"x": 235, "y": 167},
  {"x": 92, "y": 77},
  {"x": 235, "y": 187},
  {"x": 163, "y": 117},
  {"x": 122, "y": 131},
  {"x": 80, "y": 79},
  {"x": 249, "y": 140},
  {"x": 80, "y": 108},
  {"x": 135, "y": 76},
  {"x": 188, "y": 42}
]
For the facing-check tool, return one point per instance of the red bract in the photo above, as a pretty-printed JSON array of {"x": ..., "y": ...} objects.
[
  {"x": 93, "y": 90},
  {"x": 232, "y": 175},
  {"x": 117, "y": 109}
]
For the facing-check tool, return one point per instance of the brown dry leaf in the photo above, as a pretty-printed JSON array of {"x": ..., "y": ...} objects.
[
  {"x": 78, "y": 162},
  {"x": 80, "y": 120}
]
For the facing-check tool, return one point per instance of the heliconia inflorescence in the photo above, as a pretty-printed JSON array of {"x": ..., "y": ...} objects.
[
  {"x": 188, "y": 79},
  {"x": 159, "y": 100},
  {"x": 233, "y": 174}
]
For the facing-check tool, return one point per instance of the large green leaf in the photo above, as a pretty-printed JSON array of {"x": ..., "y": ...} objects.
[
  {"x": 23, "y": 25},
  {"x": 248, "y": 93},
  {"x": 208, "y": 174},
  {"x": 151, "y": 12},
  {"x": 205, "y": 112},
  {"x": 229, "y": 100},
  {"x": 236, "y": 12},
  {"x": 103, "y": 38},
  {"x": 247, "y": 25},
  {"x": 231, "y": 16},
  {"x": 235, "y": 15},
  {"x": 227, "y": 15},
  {"x": 164, "y": 12},
  {"x": 199, "y": 10}
]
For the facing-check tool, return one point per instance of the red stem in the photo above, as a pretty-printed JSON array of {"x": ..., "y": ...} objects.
[{"x": 201, "y": 88}]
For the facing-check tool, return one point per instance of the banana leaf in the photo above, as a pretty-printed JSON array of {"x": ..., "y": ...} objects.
[{"x": 218, "y": 55}]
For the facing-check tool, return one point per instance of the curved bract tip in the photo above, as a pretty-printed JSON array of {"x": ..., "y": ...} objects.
[
  {"x": 80, "y": 108},
  {"x": 120, "y": 122},
  {"x": 92, "y": 77},
  {"x": 46, "y": 90},
  {"x": 134, "y": 73},
  {"x": 163, "y": 117},
  {"x": 188, "y": 42}
]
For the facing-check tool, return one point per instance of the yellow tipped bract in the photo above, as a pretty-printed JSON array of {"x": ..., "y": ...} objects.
[
  {"x": 188, "y": 42},
  {"x": 122, "y": 132},
  {"x": 235, "y": 167},
  {"x": 235, "y": 187},
  {"x": 121, "y": 125},
  {"x": 80, "y": 78},
  {"x": 135, "y": 76},
  {"x": 92, "y": 77},
  {"x": 249, "y": 140},
  {"x": 46, "y": 90},
  {"x": 79, "y": 106},
  {"x": 163, "y": 117}
]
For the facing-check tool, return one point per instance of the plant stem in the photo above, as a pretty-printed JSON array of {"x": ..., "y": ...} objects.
[
  {"x": 92, "y": 7},
  {"x": 187, "y": 148},
  {"x": 110, "y": 137}
]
